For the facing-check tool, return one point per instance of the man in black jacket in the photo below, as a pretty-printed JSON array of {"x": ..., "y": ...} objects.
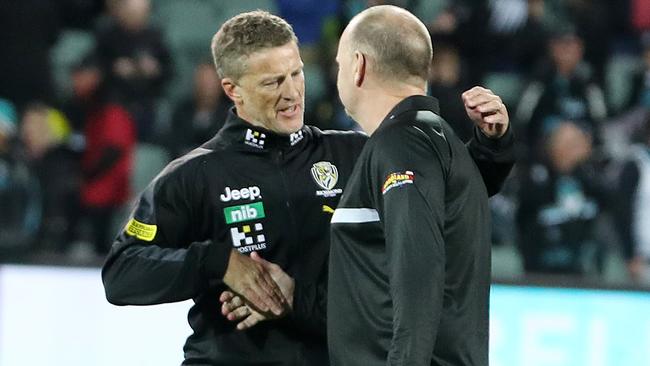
[
  {"x": 265, "y": 183},
  {"x": 409, "y": 274}
]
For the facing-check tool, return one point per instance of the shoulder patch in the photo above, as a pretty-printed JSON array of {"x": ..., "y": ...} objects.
[
  {"x": 141, "y": 230},
  {"x": 397, "y": 180}
]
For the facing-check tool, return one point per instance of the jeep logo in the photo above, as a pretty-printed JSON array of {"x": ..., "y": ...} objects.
[{"x": 250, "y": 193}]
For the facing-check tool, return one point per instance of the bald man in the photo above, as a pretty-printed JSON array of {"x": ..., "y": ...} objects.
[{"x": 409, "y": 274}]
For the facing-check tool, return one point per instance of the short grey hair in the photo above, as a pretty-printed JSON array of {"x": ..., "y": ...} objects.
[{"x": 245, "y": 34}]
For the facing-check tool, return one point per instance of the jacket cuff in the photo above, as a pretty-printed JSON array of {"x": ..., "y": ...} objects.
[
  {"x": 504, "y": 142},
  {"x": 215, "y": 261},
  {"x": 297, "y": 305},
  {"x": 308, "y": 313}
]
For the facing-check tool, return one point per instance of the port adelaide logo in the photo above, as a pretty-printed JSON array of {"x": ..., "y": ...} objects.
[{"x": 326, "y": 175}]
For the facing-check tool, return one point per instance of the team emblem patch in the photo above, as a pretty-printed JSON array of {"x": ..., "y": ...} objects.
[
  {"x": 325, "y": 174},
  {"x": 397, "y": 180}
]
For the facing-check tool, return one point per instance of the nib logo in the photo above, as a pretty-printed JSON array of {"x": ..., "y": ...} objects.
[{"x": 235, "y": 214}]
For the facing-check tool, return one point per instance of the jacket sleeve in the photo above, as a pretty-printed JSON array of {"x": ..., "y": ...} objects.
[
  {"x": 627, "y": 187},
  {"x": 412, "y": 213},
  {"x": 309, "y": 308},
  {"x": 161, "y": 256},
  {"x": 493, "y": 157}
]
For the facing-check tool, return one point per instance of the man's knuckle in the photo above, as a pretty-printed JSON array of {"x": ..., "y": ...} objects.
[{"x": 258, "y": 275}]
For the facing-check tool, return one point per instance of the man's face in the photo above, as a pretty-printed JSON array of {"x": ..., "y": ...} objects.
[
  {"x": 206, "y": 83},
  {"x": 345, "y": 76},
  {"x": 133, "y": 14},
  {"x": 567, "y": 52},
  {"x": 85, "y": 82},
  {"x": 35, "y": 133},
  {"x": 568, "y": 147},
  {"x": 272, "y": 90}
]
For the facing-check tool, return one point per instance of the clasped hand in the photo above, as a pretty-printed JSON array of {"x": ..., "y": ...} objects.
[{"x": 259, "y": 290}]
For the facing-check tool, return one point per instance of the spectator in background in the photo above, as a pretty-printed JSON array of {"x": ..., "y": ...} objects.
[
  {"x": 563, "y": 89},
  {"x": 640, "y": 95},
  {"x": 136, "y": 59},
  {"x": 631, "y": 116},
  {"x": 530, "y": 41},
  {"x": 85, "y": 77},
  {"x": 317, "y": 25},
  {"x": 198, "y": 118},
  {"x": 591, "y": 18},
  {"x": 20, "y": 211},
  {"x": 44, "y": 132},
  {"x": 559, "y": 200},
  {"x": 447, "y": 82},
  {"x": 634, "y": 208},
  {"x": 462, "y": 20},
  {"x": 80, "y": 14},
  {"x": 506, "y": 18},
  {"x": 308, "y": 17},
  {"x": 640, "y": 14},
  {"x": 29, "y": 29},
  {"x": 106, "y": 162}
]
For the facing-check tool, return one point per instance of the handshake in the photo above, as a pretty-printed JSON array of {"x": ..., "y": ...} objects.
[{"x": 259, "y": 290}]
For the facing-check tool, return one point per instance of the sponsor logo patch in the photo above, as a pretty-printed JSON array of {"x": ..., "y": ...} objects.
[
  {"x": 141, "y": 230},
  {"x": 397, "y": 180},
  {"x": 295, "y": 137},
  {"x": 254, "y": 139},
  {"x": 235, "y": 214},
  {"x": 248, "y": 238},
  {"x": 250, "y": 193},
  {"x": 326, "y": 175}
]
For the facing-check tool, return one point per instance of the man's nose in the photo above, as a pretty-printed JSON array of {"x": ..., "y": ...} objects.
[{"x": 291, "y": 89}]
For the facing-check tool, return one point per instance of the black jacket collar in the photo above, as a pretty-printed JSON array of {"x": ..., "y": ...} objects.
[
  {"x": 415, "y": 103},
  {"x": 410, "y": 104},
  {"x": 239, "y": 133}
]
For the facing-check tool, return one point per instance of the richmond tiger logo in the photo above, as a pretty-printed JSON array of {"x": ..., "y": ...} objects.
[{"x": 325, "y": 174}]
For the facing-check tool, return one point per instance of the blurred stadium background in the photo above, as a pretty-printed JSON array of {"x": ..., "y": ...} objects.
[{"x": 571, "y": 243}]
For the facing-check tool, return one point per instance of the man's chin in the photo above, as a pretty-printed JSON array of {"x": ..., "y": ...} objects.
[
  {"x": 287, "y": 127},
  {"x": 293, "y": 129}
]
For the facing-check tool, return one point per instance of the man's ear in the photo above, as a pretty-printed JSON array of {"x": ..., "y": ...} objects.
[
  {"x": 360, "y": 64},
  {"x": 231, "y": 89}
]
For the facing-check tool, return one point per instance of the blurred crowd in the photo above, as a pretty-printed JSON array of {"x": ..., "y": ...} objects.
[{"x": 97, "y": 95}]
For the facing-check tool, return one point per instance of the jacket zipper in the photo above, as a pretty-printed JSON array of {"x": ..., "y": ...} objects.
[{"x": 292, "y": 219}]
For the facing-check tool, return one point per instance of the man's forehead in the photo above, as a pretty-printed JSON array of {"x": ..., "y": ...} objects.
[
  {"x": 272, "y": 61},
  {"x": 289, "y": 50}
]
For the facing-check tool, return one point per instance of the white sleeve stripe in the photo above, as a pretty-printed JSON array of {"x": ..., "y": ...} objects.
[{"x": 354, "y": 215}]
